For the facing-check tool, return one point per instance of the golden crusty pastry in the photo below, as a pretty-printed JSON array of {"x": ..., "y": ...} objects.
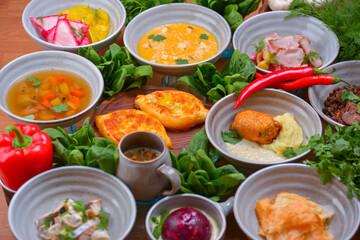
[
  {"x": 176, "y": 110},
  {"x": 115, "y": 125},
  {"x": 290, "y": 216}
]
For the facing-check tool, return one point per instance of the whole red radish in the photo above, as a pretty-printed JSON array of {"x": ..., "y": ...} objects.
[{"x": 186, "y": 224}]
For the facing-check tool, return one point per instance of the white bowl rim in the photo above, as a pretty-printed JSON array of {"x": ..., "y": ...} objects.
[
  {"x": 79, "y": 168},
  {"x": 280, "y": 13},
  {"x": 270, "y": 168},
  {"x": 169, "y": 198},
  {"x": 255, "y": 163},
  {"x": 50, "y": 52},
  {"x": 311, "y": 92},
  {"x": 73, "y": 48},
  {"x": 219, "y": 51}
]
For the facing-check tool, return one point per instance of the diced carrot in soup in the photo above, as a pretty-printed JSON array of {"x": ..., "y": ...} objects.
[{"x": 49, "y": 95}]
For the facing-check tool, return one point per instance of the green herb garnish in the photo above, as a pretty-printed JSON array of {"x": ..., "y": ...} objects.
[
  {"x": 48, "y": 221},
  {"x": 204, "y": 36},
  {"x": 290, "y": 152},
  {"x": 74, "y": 31},
  {"x": 79, "y": 206},
  {"x": 97, "y": 14},
  {"x": 67, "y": 235},
  {"x": 41, "y": 20},
  {"x": 158, "y": 224},
  {"x": 36, "y": 82},
  {"x": 60, "y": 108},
  {"x": 313, "y": 55},
  {"x": 104, "y": 220},
  {"x": 260, "y": 46},
  {"x": 65, "y": 213},
  {"x": 60, "y": 15},
  {"x": 350, "y": 97},
  {"x": 181, "y": 61},
  {"x": 231, "y": 137},
  {"x": 157, "y": 38},
  {"x": 30, "y": 117}
]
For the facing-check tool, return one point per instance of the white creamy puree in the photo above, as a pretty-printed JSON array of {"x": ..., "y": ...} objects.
[
  {"x": 214, "y": 226},
  {"x": 252, "y": 151}
]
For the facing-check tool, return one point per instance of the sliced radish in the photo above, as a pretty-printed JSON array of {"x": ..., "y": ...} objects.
[
  {"x": 50, "y": 35},
  {"x": 48, "y": 22},
  {"x": 63, "y": 34},
  {"x": 85, "y": 41},
  {"x": 79, "y": 29}
]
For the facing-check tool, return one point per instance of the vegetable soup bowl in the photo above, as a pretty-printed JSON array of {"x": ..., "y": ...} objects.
[
  {"x": 38, "y": 8},
  {"x": 217, "y": 211},
  {"x": 177, "y": 13},
  {"x": 271, "y": 101},
  {"x": 348, "y": 71},
  {"x": 42, "y": 193},
  {"x": 323, "y": 40},
  {"x": 304, "y": 181},
  {"x": 51, "y": 60}
]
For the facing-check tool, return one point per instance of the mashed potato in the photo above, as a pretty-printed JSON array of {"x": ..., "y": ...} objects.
[{"x": 291, "y": 135}]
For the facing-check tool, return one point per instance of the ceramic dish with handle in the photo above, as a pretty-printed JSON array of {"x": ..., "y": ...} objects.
[
  {"x": 42, "y": 193},
  {"x": 48, "y": 60},
  {"x": 348, "y": 71},
  {"x": 271, "y": 101},
  {"x": 37, "y": 8},
  {"x": 301, "y": 180},
  {"x": 177, "y": 13},
  {"x": 217, "y": 211},
  {"x": 323, "y": 40}
]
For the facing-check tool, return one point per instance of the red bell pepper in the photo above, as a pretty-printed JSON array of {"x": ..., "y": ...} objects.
[{"x": 25, "y": 151}]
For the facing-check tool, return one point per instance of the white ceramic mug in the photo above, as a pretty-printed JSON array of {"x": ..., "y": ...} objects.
[{"x": 147, "y": 179}]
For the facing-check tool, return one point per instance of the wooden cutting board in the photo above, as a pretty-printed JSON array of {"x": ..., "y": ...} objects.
[{"x": 126, "y": 100}]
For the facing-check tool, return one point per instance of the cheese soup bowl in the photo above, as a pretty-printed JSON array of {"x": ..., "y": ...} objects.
[
  {"x": 270, "y": 101},
  {"x": 42, "y": 193},
  {"x": 304, "y": 181},
  {"x": 177, "y": 13},
  {"x": 348, "y": 71},
  {"x": 36, "y": 62},
  {"x": 38, "y": 8},
  {"x": 323, "y": 40}
]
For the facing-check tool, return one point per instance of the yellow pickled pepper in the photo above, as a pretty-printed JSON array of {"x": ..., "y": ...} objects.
[{"x": 98, "y": 20}]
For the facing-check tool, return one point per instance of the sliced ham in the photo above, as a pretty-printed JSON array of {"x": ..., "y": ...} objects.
[
  {"x": 271, "y": 36},
  {"x": 290, "y": 58},
  {"x": 287, "y": 42},
  {"x": 305, "y": 44}
]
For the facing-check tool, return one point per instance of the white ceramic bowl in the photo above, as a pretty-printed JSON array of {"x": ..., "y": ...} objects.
[
  {"x": 271, "y": 101},
  {"x": 46, "y": 60},
  {"x": 37, "y": 8},
  {"x": 301, "y": 180},
  {"x": 42, "y": 193},
  {"x": 323, "y": 40},
  {"x": 348, "y": 71},
  {"x": 177, "y": 13}
]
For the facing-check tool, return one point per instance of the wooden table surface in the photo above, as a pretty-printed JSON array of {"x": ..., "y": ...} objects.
[{"x": 14, "y": 42}]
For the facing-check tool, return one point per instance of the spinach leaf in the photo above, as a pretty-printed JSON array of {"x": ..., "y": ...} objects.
[
  {"x": 231, "y": 136},
  {"x": 199, "y": 141}
]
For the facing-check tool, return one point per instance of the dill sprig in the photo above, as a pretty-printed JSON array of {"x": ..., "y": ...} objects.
[{"x": 341, "y": 16}]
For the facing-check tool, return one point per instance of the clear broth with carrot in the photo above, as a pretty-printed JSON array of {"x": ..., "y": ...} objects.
[{"x": 49, "y": 95}]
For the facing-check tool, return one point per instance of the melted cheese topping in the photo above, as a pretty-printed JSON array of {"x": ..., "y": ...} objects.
[{"x": 177, "y": 43}]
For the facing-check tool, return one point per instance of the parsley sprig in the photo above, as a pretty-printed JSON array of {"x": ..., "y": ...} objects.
[
  {"x": 35, "y": 82},
  {"x": 159, "y": 223},
  {"x": 181, "y": 61},
  {"x": 157, "y": 38}
]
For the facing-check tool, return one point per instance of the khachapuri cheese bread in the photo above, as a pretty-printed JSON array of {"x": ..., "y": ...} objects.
[
  {"x": 115, "y": 125},
  {"x": 176, "y": 110}
]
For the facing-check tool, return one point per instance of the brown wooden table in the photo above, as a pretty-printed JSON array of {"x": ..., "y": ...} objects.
[{"x": 14, "y": 42}]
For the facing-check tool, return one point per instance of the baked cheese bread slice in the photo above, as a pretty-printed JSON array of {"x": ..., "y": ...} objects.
[
  {"x": 115, "y": 125},
  {"x": 176, "y": 110}
]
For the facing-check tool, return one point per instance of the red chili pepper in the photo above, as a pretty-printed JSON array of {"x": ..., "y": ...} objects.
[
  {"x": 258, "y": 75},
  {"x": 306, "y": 82},
  {"x": 274, "y": 77},
  {"x": 25, "y": 151}
]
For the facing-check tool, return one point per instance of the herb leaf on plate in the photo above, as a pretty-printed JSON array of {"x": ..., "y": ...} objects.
[{"x": 231, "y": 136}]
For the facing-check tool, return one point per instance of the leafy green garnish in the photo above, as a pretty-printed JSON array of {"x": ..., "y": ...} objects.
[
  {"x": 97, "y": 14},
  {"x": 340, "y": 16},
  {"x": 350, "y": 97},
  {"x": 313, "y": 55},
  {"x": 31, "y": 116},
  {"x": 158, "y": 224},
  {"x": 198, "y": 173},
  {"x": 48, "y": 221},
  {"x": 104, "y": 221},
  {"x": 60, "y": 108},
  {"x": 260, "y": 46},
  {"x": 157, "y": 38},
  {"x": 79, "y": 206},
  {"x": 59, "y": 15},
  {"x": 67, "y": 235},
  {"x": 83, "y": 148},
  {"x": 290, "y": 152},
  {"x": 36, "y": 82},
  {"x": 231, "y": 137},
  {"x": 65, "y": 213},
  {"x": 234, "y": 77},
  {"x": 204, "y": 36},
  {"x": 181, "y": 61},
  {"x": 119, "y": 70},
  {"x": 41, "y": 20}
]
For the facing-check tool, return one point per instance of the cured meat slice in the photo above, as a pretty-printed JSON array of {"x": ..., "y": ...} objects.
[
  {"x": 305, "y": 44},
  {"x": 290, "y": 58}
]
